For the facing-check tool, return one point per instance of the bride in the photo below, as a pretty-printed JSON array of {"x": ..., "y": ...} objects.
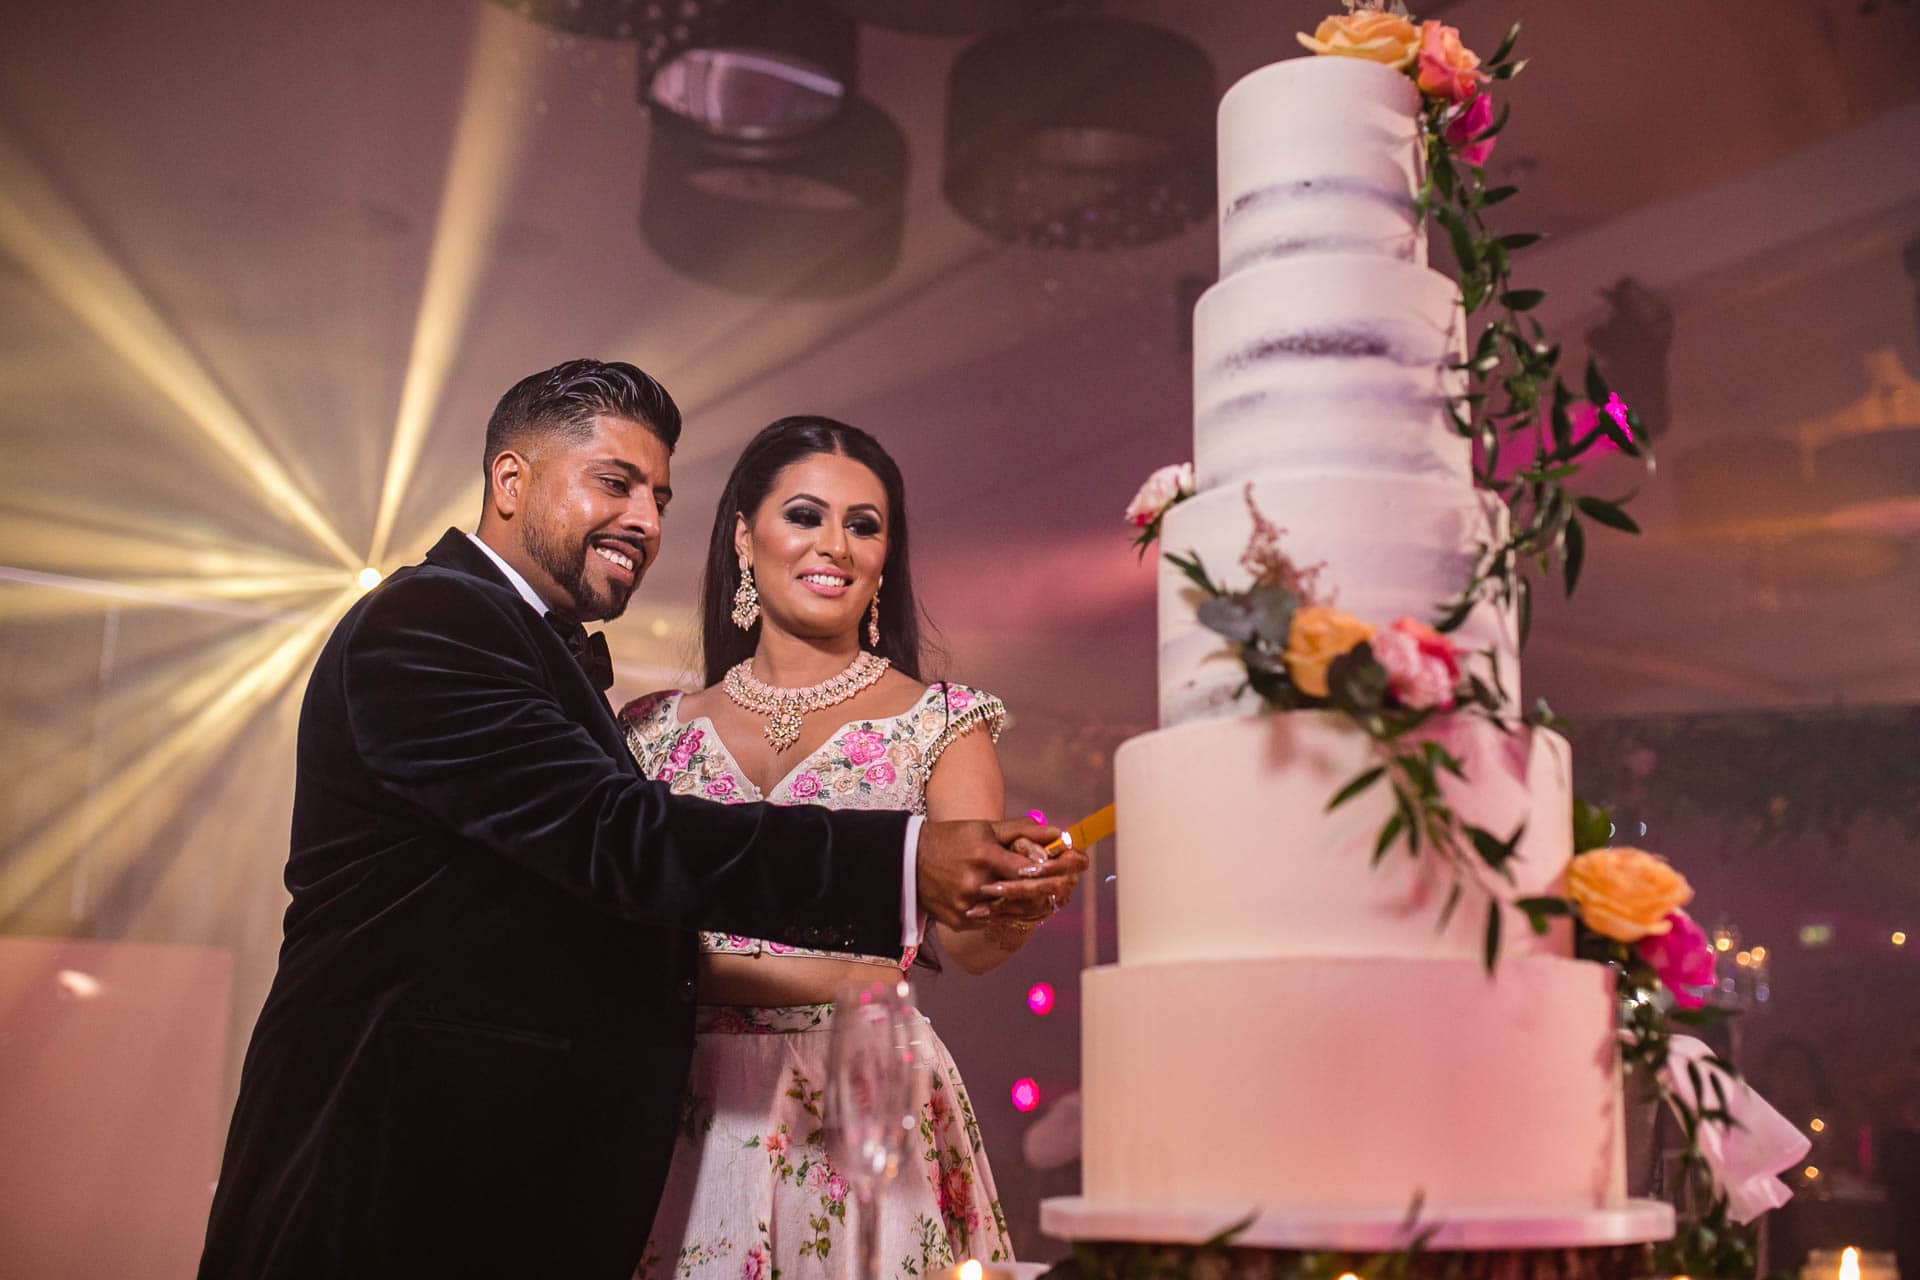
[{"x": 811, "y": 642}]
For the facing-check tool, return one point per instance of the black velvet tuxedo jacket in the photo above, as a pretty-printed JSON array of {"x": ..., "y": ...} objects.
[{"x": 472, "y": 1057}]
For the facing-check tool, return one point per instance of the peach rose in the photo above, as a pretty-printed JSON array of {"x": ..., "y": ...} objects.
[
  {"x": 1318, "y": 635},
  {"x": 1626, "y": 894},
  {"x": 1368, "y": 33},
  {"x": 1448, "y": 69}
]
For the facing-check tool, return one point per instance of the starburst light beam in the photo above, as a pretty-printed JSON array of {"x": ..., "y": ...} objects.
[
  {"x": 487, "y": 150},
  {"x": 52, "y": 242},
  {"x": 254, "y": 679}
]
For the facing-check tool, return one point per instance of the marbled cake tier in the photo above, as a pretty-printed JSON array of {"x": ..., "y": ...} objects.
[
  {"x": 1319, "y": 155},
  {"x": 1329, "y": 361}
]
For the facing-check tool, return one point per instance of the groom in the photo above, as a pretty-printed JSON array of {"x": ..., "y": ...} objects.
[{"x": 472, "y": 1056}]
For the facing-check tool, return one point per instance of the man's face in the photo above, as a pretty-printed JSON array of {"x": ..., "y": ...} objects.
[{"x": 589, "y": 516}]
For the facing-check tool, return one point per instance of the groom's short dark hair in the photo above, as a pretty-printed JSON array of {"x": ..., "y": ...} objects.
[{"x": 565, "y": 399}]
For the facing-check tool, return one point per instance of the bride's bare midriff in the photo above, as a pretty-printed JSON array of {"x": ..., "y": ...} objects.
[{"x": 774, "y": 981}]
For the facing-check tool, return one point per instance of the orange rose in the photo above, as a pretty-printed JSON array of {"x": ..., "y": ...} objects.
[
  {"x": 1448, "y": 69},
  {"x": 1369, "y": 34},
  {"x": 1318, "y": 635},
  {"x": 1626, "y": 894}
]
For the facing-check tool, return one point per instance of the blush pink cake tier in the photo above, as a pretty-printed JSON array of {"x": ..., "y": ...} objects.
[{"x": 1288, "y": 1034}]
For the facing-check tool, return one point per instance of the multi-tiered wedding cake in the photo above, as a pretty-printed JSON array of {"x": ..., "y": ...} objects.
[{"x": 1287, "y": 1032}]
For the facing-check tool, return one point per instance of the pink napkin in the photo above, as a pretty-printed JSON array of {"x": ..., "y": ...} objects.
[{"x": 1745, "y": 1159}]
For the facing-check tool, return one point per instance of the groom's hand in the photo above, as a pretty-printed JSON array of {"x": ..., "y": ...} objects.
[{"x": 968, "y": 871}]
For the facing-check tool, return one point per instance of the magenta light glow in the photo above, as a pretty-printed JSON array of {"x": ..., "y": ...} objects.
[
  {"x": 1026, "y": 1094},
  {"x": 1040, "y": 998}
]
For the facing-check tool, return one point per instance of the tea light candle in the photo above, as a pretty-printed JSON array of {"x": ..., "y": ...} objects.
[{"x": 1849, "y": 1264}]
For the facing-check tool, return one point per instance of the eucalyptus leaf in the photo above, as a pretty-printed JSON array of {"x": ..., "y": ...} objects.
[
  {"x": 1388, "y": 834},
  {"x": 1356, "y": 682},
  {"x": 1597, "y": 390},
  {"x": 1575, "y": 551},
  {"x": 1600, "y": 511},
  {"x": 1592, "y": 826},
  {"x": 1498, "y": 194},
  {"x": 1462, "y": 239},
  {"x": 1230, "y": 616},
  {"x": 1523, "y": 593},
  {"x": 1505, "y": 50},
  {"x": 1272, "y": 609},
  {"x": 1523, "y": 299},
  {"x": 1519, "y": 240},
  {"x": 1508, "y": 70},
  {"x": 1357, "y": 786}
]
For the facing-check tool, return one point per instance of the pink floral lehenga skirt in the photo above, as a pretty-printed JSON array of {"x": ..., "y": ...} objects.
[{"x": 751, "y": 1194}]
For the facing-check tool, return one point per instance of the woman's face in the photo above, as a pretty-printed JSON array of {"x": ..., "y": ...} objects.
[{"x": 817, "y": 545}]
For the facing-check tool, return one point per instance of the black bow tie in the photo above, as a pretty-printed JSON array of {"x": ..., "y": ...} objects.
[{"x": 590, "y": 651}]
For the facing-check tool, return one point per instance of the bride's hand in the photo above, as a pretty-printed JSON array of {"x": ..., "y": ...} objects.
[{"x": 969, "y": 872}]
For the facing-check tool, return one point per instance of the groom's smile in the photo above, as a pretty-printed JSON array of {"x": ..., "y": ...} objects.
[{"x": 590, "y": 513}]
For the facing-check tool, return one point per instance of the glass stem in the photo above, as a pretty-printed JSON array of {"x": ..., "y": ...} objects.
[{"x": 869, "y": 1206}]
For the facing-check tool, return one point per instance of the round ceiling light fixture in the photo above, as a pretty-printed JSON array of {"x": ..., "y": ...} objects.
[
  {"x": 820, "y": 218},
  {"x": 1081, "y": 132},
  {"x": 748, "y": 71}
]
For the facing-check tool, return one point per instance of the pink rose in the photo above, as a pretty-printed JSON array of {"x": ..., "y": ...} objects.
[
  {"x": 958, "y": 699},
  {"x": 721, "y": 787},
  {"x": 1447, "y": 69},
  {"x": 683, "y": 750},
  {"x": 755, "y": 1266},
  {"x": 1683, "y": 957},
  {"x": 1163, "y": 488},
  {"x": 778, "y": 949},
  {"x": 1423, "y": 667},
  {"x": 881, "y": 774},
  {"x": 805, "y": 787},
  {"x": 777, "y": 1142},
  {"x": 836, "y": 1188},
  {"x": 1469, "y": 121},
  {"x": 863, "y": 746},
  {"x": 956, "y": 1196}
]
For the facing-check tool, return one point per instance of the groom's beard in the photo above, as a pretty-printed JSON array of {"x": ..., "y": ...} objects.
[{"x": 565, "y": 562}]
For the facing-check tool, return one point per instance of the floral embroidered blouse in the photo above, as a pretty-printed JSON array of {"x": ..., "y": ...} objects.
[{"x": 881, "y": 763}]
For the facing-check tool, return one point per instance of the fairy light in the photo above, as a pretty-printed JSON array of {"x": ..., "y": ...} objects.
[
  {"x": 1899, "y": 937},
  {"x": 1025, "y": 1094},
  {"x": 1040, "y": 998},
  {"x": 1817, "y": 1125},
  {"x": 1810, "y": 1173}
]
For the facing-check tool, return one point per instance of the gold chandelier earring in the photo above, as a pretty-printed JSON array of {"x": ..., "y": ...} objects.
[
  {"x": 873, "y": 616},
  {"x": 746, "y": 598}
]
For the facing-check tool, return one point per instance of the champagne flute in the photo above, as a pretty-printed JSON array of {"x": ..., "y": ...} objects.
[{"x": 877, "y": 1074}]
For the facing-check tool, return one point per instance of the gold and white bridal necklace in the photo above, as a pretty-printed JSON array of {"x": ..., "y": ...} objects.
[{"x": 785, "y": 708}]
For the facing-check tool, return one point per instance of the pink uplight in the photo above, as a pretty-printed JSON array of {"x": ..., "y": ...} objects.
[
  {"x": 1040, "y": 998},
  {"x": 1026, "y": 1094}
]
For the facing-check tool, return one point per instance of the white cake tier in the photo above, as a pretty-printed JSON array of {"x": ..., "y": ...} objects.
[
  {"x": 1392, "y": 547},
  {"x": 1319, "y": 155},
  {"x": 1227, "y": 850},
  {"x": 1302, "y": 1087},
  {"x": 1328, "y": 361}
]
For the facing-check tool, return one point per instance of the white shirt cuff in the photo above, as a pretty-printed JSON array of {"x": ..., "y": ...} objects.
[{"x": 912, "y": 923}]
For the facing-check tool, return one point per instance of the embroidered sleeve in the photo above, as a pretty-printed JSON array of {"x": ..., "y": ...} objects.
[
  {"x": 962, "y": 710},
  {"x": 646, "y": 721}
]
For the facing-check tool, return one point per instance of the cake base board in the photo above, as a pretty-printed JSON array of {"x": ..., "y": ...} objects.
[{"x": 1632, "y": 1222}]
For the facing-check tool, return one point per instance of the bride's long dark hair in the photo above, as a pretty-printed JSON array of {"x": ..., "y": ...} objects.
[{"x": 776, "y": 448}]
